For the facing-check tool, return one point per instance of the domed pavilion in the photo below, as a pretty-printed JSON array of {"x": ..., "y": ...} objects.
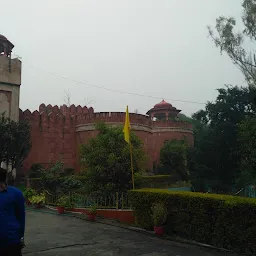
[{"x": 163, "y": 111}]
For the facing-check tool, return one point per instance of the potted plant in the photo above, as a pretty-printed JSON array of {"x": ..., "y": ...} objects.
[
  {"x": 159, "y": 213},
  {"x": 62, "y": 203},
  {"x": 28, "y": 193},
  {"x": 38, "y": 200},
  {"x": 91, "y": 213}
]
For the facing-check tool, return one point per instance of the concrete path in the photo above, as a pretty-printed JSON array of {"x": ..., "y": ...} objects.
[{"x": 53, "y": 235}]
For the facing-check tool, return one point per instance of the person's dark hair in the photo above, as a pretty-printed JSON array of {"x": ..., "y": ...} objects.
[{"x": 3, "y": 175}]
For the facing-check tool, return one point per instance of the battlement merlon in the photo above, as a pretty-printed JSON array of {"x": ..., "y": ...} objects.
[{"x": 64, "y": 109}]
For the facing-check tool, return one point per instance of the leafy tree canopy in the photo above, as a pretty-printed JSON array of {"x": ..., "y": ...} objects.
[
  {"x": 247, "y": 149},
  {"x": 216, "y": 147},
  {"x": 106, "y": 159},
  {"x": 173, "y": 158},
  {"x": 236, "y": 122},
  {"x": 15, "y": 141},
  {"x": 234, "y": 42}
]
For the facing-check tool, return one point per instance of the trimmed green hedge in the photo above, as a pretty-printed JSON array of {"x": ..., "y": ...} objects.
[
  {"x": 76, "y": 177},
  {"x": 159, "y": 181},
  {"x": 81, "y": 178},
  {"x": 157, "y": 177},
  {"x": 219, "y": 220}
]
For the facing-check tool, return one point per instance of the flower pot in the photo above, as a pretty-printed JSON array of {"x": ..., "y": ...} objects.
[
  {"x": 60, "y": 209},
  {"x": 159, "y": 231},
  {"x": 38, "y": 205},
  {"x": 91, "y": 217},
  {"x": 28, "y": 203}
]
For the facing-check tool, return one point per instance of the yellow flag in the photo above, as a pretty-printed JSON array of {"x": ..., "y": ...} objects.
[{"x": 127, "y": 127}]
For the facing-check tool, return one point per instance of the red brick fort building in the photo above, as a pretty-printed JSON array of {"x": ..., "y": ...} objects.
[{"x": 58, "y": 131}]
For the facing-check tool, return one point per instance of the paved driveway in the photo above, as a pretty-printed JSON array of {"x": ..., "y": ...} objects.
[{"x": 48, "y": 235}]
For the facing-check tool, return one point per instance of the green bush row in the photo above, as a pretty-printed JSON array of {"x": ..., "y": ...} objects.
[
  {"x": 148, "y": 178},
  {"x": 157, "y": 177},
  {"x": 219, "y": 220},
  {"x": 161, "y": 181},
  {"x": 75, "y": 177},
  {"x": 81, "y": 178},
  {"x": 154, "y": 181},
  {"x": 153, "y": 178}
]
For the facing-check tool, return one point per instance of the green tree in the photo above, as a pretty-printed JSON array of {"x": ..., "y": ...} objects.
[
  {"x": 216, "y": 146},
  {"x": 173, "y": 158},
  {"x": 237, "y": 45},
  {"x": 247, "y": 150},
  {"x": 18, "y": 142},
  {"x": 198, "y": 158},
  {"x": 106, "y": 159},
  {"x": 233, "y": 43},
  {"x": 15, "y": 141},
  {"x": 184, "y": 118}
]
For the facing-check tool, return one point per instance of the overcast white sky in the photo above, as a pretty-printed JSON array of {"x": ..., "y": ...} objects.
[{"x": 158, "y": 48}]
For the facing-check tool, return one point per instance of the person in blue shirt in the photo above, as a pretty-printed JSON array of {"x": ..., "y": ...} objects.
[{"x": 12, "y": 218}]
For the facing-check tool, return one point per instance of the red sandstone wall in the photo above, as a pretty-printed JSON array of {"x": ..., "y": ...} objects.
[{"x": 53, "y": 132}]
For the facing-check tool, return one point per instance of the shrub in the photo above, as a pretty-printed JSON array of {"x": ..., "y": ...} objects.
[
  {"x": 159, "y": 213},
  {"x": 223, "y": 221},
  {"x": 64, "y": 201},
  {"x": 81, "y": 178},
  {"x": 92, "y": 210},
  {"x": 35, "y": 171},
  {"x": 69, "y": 171},
  {"x": 28, "y": 193},
  {"x": 155, "y": 181},
  {"x": 69, "y": 183},
  {"x": 161, "y": 181},
  {"x": 38, "y": 199},
  {"x": 56, "y": 184}
]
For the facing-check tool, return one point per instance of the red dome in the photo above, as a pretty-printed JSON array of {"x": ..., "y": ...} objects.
[{"x": 163, "y": 103}]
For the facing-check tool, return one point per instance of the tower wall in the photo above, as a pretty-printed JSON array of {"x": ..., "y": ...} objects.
[
  {"x": 10, "y": 81},
  {"x": 152, "y": 134}
]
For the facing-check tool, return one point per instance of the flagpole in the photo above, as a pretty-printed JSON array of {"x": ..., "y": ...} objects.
[
  {"x": 132, "y": 165},
  {"x": 127, "y": 138}
]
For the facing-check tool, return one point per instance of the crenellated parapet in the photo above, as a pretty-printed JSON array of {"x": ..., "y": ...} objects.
[
  {"x": 49, "y": 116},
  {"x": 65, "y": 110},
  {"x": 46, "y": 119}
]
